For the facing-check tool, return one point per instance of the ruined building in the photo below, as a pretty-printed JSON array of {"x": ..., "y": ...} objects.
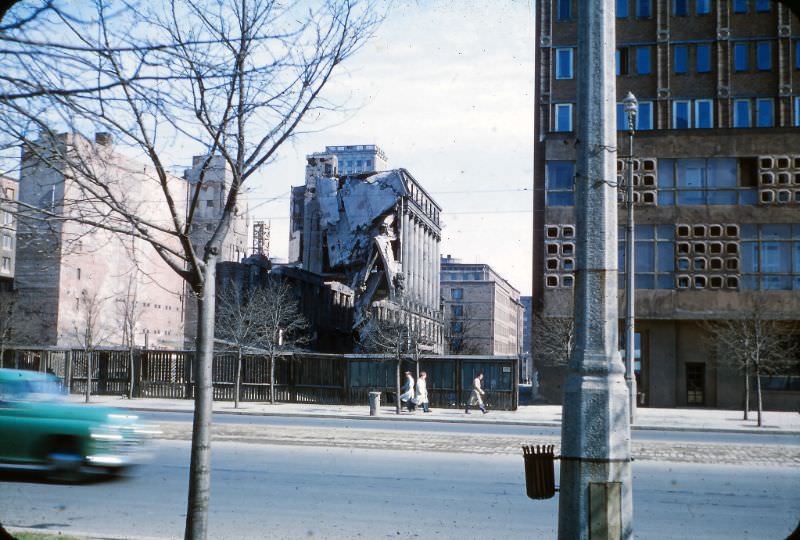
[{"x": 378, "y": 233}]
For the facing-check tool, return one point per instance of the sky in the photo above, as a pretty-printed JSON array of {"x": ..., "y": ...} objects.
[{"x": 445, "y": 88}]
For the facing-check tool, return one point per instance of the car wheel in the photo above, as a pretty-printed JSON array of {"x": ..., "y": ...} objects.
[{"x": 64, "y": 460}]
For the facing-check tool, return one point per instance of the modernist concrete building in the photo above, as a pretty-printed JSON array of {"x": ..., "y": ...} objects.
[
  {"x": 216, "y": 183},
  {"x": 716, "y": 169},
  {"x": 71, "y": 276},
  {"x": 9, "y": 190},
  {"x": 358, "y": 158},
  {"x": 483, "y": 313},
  {"x": 376, "y": 232}
]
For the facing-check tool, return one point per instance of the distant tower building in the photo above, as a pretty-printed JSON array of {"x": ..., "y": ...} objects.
[
  {"x": 359, "y": 158},
  {"x": 261, "y": 235},
  {"x": 9, "y": 189},
  {"x": 216, "y": 183}
]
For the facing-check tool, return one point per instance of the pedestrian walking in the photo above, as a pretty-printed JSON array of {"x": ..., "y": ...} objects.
[
  {"x": 407, "y": 397},
  {"x": 421, "y": 398},
  {"x": 476, "y": 398}
]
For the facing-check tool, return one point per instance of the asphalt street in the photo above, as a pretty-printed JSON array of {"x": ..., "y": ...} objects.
[{"x": 280, "y": 491}]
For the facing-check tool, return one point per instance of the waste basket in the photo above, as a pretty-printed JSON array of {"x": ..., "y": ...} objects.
[
  {"x": 540, "y": 480},
  {"x": 374, "y": 403}
]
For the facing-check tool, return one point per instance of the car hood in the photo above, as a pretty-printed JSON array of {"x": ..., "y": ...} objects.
[{"x": 62, "y": 410}]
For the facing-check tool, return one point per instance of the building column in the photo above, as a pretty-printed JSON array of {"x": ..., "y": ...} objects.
[
  {"x": 427, "y": 267},
  {"x": 417, "y": 261},
  {"x": 404, "y": 237}
]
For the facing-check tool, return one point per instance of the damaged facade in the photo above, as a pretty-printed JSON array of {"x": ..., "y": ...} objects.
[{"x": 378, "y": 233}]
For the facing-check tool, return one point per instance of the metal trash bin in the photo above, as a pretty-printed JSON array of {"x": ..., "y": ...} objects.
[
  {"x": 374, "y": 403},
  {"x": 540, "y": 480}
]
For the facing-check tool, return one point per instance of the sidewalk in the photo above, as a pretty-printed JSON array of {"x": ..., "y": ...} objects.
[{"x": 787, "y": 423}]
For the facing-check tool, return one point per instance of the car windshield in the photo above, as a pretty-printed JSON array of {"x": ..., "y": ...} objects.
[{"x": 32, "y": 390}]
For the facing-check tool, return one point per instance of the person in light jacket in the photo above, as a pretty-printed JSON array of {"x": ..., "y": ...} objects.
[
  {"x": 407, "y": 397},
  {"x": 421, "y": 398},
  {"x": 476, "y": 398}
]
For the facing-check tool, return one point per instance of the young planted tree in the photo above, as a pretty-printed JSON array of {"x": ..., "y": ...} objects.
[
  {"x": 396, "y": 341},
  {"x": 129, "y": 311},
  {"x": 553, "y": 339},
  {"x": 8, "y": 312},
  {"x": 232, "y": 79},
  {"x": 754, "y": 345},
  {"x": 265, "y": 320},
  {"x": 88, "y": 330}
]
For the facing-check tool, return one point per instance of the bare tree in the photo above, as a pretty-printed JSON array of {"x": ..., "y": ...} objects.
[
  {"x": 129, "y": 309},
  {"x": 89, "y": 331},
  {"x": 462, "y": 331},
  {"x": 231, "y": 79},
  {"x": 265, "y": 320},
  {"x": 8, "y": 311},
  {"x": 754, "y": 345},
  {"x": 553, "y": 339},
  {"x": 396, "y": 341}
]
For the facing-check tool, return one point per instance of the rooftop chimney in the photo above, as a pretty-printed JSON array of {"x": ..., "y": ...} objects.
[{"x": 102, "y": 138}]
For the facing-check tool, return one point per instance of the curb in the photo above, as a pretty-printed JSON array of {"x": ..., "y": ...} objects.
[
  {"x": 57, "y": 533},
  {"x": 533, "y": 423}
]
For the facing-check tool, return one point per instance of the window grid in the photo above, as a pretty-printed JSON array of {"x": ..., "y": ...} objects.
[
  {"x": 771, "y": 256},
  {"x": 700, "y": 181},
  {"x": 654, "y": 257}
]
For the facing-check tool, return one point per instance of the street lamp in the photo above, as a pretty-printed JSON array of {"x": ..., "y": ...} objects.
[{"x": 631, "y": 107}]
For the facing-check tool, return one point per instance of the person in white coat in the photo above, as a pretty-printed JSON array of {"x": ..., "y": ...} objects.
[
  {"x": 422, "y": 392},
  {"x": 407, "y": 397},
  {"x": 476, "y": 398}
]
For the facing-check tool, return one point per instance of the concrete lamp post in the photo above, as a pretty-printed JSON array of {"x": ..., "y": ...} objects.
[{"x": 631, "y": 107}]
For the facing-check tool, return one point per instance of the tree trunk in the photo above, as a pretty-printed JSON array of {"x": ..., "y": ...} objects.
[
  {"x": 397, "y": 404},
  {"x": 758, "y": 393},
  {"x": 88, "y": 374},
  {"x": 238, "y": 377},
  {"x": 746, "y": 391},
  {"x": 200, "y": 468},
  {"x": 272, "y": 378},
  {"x": 131, "y": 353}
]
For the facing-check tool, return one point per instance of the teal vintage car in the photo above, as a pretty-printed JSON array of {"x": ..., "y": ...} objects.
[{"x": 40, "y": 429}]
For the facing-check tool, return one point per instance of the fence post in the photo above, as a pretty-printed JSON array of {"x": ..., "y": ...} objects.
[
  {"x": 68, "y": 370},
  {"x": 136, "y": 380}
]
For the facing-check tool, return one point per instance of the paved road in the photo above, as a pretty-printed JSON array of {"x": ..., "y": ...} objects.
[
  {"x": 716, "y": 448},
  {"x": 292, "y": 492}
]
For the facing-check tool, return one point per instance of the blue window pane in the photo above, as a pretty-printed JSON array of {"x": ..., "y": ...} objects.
[
  {"x": 776, "y": 232},
  {"x": 563, "y": 118},
  {"x": 644, "y": 281},
  {"x": 704, "y": 114},
  {"x": 691, "y": 181},
  {"x": 749, "y": 258},
  {"x": 764, "y": 55},
  {"x": 666, "y": 257},
  {"x": 617, "y": 61},
  {"x": 681, "y": 54},
  {"x": 666, "y": 173},
  {"x": 740, "y": 56},
  {"x": 681, "y": 113},
  {"x": 622, "y": 8},
  {"x": 560, "y": 174},
  {"x": 749, "y": 283},
  {"x": 703, "y": 58},
  {"x": 644, "y": 232},
  {"x": 621, "y": 255},
  {"x": 644, "y": 8},
  {"x": 680, "y": 8},
  {"x": 762, "y": 5},
  {"x": 764, "y": 113},
  {"x": 748, "y": 231},
  {"x": 644, "y": 120},
  {"x": 643, "y": 60},
  {"x": 564, "y": 10},
  {"x": 666, "y": 198},
  {"x": 748, "y": 196},
  {"x": 740, "y": 6},
  {"x": 665, "y": 232},
  {"x": 645, "y": 257},
  {"x": 775, "y": 257},
  {"x": 797, "y": 54},
  {"x": 563, "y": 63},
  {"x": 796, "y": 263},
  {"x": 741, "y": 113},
  {"x": 721, "y": 172},
  {"x": 703, "y": 7},
  {"x": 665, "y": 282},
  {"x": 777, "y": 283},
  {"x": 622, "y": 124},
  {"x": 683, "y": 264},
  {"x": 722, "y": 197},
  {"x": 560, "y": 199}
]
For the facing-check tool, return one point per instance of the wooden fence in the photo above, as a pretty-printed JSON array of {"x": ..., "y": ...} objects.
[{"x": 299, "y": 378}]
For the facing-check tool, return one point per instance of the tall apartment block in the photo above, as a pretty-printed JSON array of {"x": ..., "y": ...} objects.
[
  {"x": 70, "y": 276},
  {"x": 9, "y": 189},
  {"x": 716, "y": 168},
  {"x": 483, "y": 313},
  {"x": 214, "y": 187}
]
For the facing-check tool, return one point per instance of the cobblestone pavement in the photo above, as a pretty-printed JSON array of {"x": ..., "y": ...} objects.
[{"x": 716, "y": 453}]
